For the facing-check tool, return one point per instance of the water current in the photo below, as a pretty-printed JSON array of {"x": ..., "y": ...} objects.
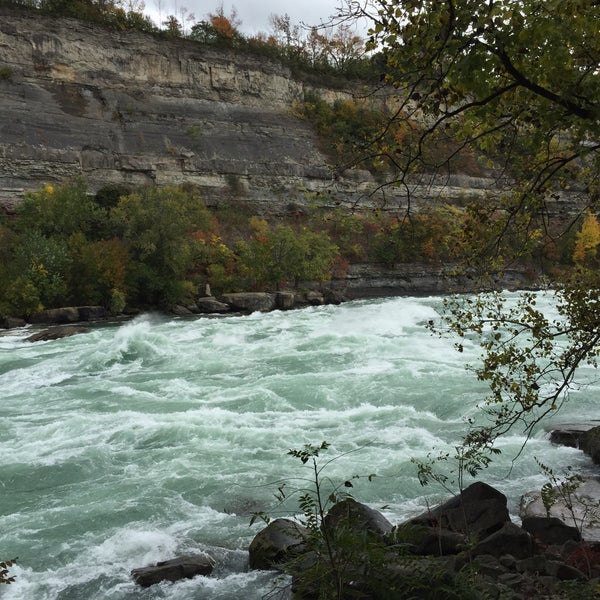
[{"x": 137, "y": 442}]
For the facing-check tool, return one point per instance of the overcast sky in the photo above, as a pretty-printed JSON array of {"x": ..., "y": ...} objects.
[{"x": 254, "y": 14}]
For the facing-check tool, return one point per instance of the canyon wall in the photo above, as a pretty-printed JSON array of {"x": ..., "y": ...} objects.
[{"x": 129, "y": 108}]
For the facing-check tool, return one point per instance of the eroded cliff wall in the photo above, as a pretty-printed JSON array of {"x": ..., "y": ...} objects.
[{"x": 124, "y": 107}]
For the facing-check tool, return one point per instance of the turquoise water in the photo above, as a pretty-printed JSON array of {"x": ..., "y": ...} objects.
[{"x": 137, "y": 442}]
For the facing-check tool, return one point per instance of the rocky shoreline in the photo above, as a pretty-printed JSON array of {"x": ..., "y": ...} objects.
[{"x": 469, "y": 540}]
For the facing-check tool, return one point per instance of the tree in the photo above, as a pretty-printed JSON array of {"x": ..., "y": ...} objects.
[
  {"x": 159, "y": 227},
  {"x": 512, "y": 79},
  {"x": 218, "y": 28},
  {"x": 60, "y": 211},
  {"x": 518, "y": 84},
  {"x": 273, "y": 257},
  {"x": 587, "y": 239}
]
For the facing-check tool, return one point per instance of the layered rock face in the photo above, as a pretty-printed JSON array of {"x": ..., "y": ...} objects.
[
  {"x": 128, "y": 108},
  {"x": 122, "y": 107}
]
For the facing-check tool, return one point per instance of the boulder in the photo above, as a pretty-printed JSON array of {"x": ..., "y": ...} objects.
[
  {"x": 209, "y": 304},
  {"x": 250, "y": 301},
  {"x": 430, "y": 541},
  {"x": 331, "y": 296},
  {"x": 183, "y": 567},
  {"x": 280, "y": 540},
  {"x": 569, "y": 434},
  {"x": 509, "y": 539},
  {"x": 56, "y": 333},
  {"x": 580, "y": 510},
  {"x": 12, "y": 322},
  {"x": 356, "y": 517},
  {"x": 285, "y": 300},
  {"x": 181, "y": 311},
  {"x": 314, "y": 298},
  {"x": 550, "y": 530},
  {"x": 478, "y": 511},
  {"x": 589, "y": 442}
]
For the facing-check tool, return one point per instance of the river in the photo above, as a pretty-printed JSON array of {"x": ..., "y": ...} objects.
[{"x": 137, "y": 442}]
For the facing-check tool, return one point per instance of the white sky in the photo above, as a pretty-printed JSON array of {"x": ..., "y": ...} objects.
[{"x": 254, "y": 14}]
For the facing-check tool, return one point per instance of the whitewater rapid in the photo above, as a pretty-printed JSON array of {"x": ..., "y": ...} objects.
[{"x": 137, "y": 442}]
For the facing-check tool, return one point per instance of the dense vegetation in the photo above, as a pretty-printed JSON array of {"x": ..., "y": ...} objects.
[{"x": 154, "y": 247}]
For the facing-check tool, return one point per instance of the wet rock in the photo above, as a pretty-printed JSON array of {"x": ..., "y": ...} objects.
[
  {"x": 56, "y": 333},
  {"x": 589, "y": 442},
  {"x": 183, "y": 567},
  {"x": 570, "y": 434},
  {"x": 279, "y": 541}
]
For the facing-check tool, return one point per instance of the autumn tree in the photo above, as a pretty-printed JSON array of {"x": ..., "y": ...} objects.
[
  {"x": 218, "y": 28},
  {"x": 517, "y": 83},
  {"x": 341, "y": 46},
  {"x": 587, "y": 239}
]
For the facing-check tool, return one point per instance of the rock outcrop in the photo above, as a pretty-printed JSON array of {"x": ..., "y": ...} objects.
[
  {"x": 122, "y": 107},
  {"x": 469, "y": 538}
]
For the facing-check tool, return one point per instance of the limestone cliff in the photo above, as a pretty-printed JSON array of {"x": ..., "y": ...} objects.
[{"x": 124, "y": 107}]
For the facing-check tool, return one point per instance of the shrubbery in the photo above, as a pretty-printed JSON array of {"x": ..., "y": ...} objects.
[{"x": 154, "y": 247}]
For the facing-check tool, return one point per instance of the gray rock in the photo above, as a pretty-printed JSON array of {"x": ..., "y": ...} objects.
[
  {"x": 181, "y": 311},
  {"x": 478, "y": 511},
  {"x": 581, "y": 511},
  {"x": 357, "y": 517},
  {"x": 285, "y": 300},
  {"x": 569, "y": 434},
  {"x": 67, "y": 314},
  {"x": 510, "y": 539},
  {"x": 589, "y": 442},
  {"x": 279, "y": 541},
  {"x": 13, "y": 322},
  {"x": 314, "y": 298},
  {"x": 210, "y": 304},
  {"x": 183, "y": 567},
  {"x": 55, "y": 333},
  {"x": 550, "y": 530},
  {"x": 438, "y": 542},
  {"x": 250, "y": 301},
  {"x": 92, "y": 313}
]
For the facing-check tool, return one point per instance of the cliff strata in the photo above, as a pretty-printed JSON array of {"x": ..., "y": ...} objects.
[{"x": 129, "y": 108}]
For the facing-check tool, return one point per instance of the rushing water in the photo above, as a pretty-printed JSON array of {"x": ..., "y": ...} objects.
[{"x": 138, "y": 442}]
